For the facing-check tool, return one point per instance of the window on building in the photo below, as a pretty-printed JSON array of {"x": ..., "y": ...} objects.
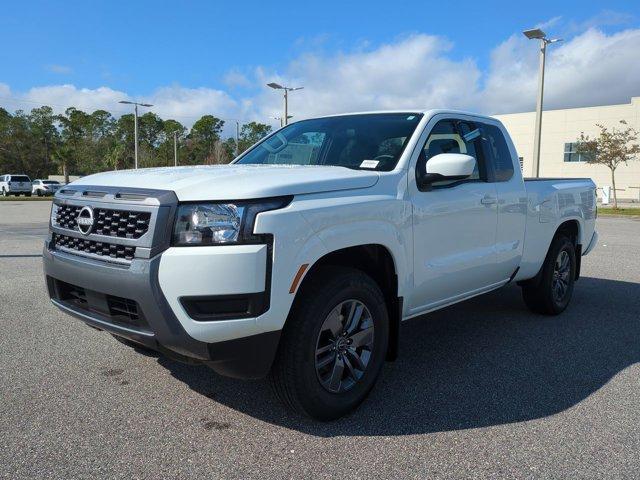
[{"x": 571, "y": 155}]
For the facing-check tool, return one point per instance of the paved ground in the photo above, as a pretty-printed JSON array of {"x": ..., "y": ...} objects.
[{"x": 482, "y": 389}]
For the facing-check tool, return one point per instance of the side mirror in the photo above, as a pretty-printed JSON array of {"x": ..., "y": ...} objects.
[{"x": 447, "y": 166}]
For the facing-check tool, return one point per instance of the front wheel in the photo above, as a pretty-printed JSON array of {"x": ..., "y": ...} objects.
[
  {"x": 333, "y": 345},
  {"x": 5, "y": 193},
  {"x": 551, "y": 295}
]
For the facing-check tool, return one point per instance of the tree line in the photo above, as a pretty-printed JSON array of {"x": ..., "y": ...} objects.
[{"x": 41, "y": 143}]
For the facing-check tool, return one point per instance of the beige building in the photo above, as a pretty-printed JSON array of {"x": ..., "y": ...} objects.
[{"x": 561, "y": 129}]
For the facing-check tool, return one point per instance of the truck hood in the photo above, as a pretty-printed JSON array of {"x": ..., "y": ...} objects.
[{"x": 236, "y": 182}]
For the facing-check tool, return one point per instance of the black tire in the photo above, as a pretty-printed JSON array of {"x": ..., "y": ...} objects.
[
  {"x": 27, "y": 194},
  {"x": 546, "y": 297},
  {"x": 293, "y": 375},
  {"x": 39, "y": 193},
  {"x": 4, "y": 193}
]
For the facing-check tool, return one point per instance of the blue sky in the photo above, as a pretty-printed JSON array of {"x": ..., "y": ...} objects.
[{"x": 218, "y": 54}]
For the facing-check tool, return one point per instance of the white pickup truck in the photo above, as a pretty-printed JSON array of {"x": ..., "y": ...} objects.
[{"x": 301, "y": 259}]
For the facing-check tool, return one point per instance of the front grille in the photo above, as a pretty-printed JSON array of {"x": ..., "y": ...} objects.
[
  {"x": 102, "y": 249},
  {"x": 73, "y": 294},
  {"x": 108, "y": 222},
  {"x": 123, "y": 310},
  {"x": 117, "y": 310}
]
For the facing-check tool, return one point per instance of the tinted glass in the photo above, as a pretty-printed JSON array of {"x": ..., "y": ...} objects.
[
  {"x": 50, "y": 182},
  {"x": 19, "y": 178},
  {"x": 454, "y": 136},
  {"x": 368, "y": 142},
  {"x": 497, "y": 153}
]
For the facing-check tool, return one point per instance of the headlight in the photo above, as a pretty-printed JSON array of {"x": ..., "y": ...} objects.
[{"x": 220, "y": 223}]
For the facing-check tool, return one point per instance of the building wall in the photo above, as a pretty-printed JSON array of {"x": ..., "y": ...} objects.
[{"x": 564, "y": 126}]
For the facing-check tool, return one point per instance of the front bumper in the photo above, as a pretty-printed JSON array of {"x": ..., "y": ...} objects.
[{"x": 151, "y": 315}]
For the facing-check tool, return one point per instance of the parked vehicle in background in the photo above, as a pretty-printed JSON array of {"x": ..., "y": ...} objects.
[
  {"x": 45, "y": 187},
  {"x": 301, "y": 259},
  {"x": 15, "y": 185}
]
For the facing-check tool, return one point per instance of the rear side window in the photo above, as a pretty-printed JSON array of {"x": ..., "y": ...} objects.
[{"x": 497, "y": 153}]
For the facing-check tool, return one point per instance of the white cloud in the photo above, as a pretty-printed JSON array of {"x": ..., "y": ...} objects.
[
  {"x": 416, "y": 71},
  {"x": 61, "y": 69},
  {"x": 235, "y": 78},
  {"x": 188, "y": 104},
  {"x": 592, "y": 68},
  {"x": 183, "y": 104},
  {"x": 413, "y": 72},
  {"x": 62, "y": 96}
]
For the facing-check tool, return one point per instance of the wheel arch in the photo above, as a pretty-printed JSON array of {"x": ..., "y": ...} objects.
[
  {"x": 377, "y": 261},
  {"x": 572, "y": 229}
]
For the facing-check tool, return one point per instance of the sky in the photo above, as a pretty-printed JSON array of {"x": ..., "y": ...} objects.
[{"x": 192, "y": 58}]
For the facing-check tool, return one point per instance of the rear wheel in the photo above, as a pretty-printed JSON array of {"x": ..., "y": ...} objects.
[
  {"x": 27, "y": 194},
  {"x": 5, "y": 193},
  {"x": 333, "y": 345},
  {"x": 552, "y": 294}
]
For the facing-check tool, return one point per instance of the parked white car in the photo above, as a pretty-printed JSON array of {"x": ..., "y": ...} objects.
[
  {"x": 45, "y": 187},
  {"x": 302, "y": 258},
  {"x": 15, "y": 185}
]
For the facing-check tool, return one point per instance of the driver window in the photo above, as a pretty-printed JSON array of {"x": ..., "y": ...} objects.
[{"x": 453, "y": 136}]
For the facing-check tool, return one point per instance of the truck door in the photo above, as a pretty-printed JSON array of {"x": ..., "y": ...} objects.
[
  {"x": 454, "y": 223},
  {"x": 504, "y": 171}
]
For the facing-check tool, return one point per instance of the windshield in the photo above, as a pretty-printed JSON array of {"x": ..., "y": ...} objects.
[
  {"x": 50, "y": 182},
  {"x": 369, "y": 142}
]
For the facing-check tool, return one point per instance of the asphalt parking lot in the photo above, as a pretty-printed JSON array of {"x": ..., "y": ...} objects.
[{"x": 482, "y": 389}]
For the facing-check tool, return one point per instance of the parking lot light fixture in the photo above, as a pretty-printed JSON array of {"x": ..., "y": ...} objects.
[
  {"x": 135, "y": 126},
  {"x": 538, "y": 34},
  {"x": 281, "y": 120},
  {"x": 277, "y": 86}
]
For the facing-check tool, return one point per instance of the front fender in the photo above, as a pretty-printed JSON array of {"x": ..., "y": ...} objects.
[{"x": 312, "y": 227}]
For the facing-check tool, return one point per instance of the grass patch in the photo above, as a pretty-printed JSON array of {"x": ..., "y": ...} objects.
[
  {"x": 619, "y": 211},
  {"x": 25, "y": 199}
]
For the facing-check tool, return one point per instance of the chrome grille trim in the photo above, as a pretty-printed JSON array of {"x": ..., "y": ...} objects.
[
  {"x": 136, "y": 220},
  {"x": 108, "y": 222},
  {"x": 109, "y": 252}
]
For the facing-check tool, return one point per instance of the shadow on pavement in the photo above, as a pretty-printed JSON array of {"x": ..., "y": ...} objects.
[{"x": 487, "y": 361}]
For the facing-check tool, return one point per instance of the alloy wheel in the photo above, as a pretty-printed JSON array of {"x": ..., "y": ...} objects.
[
  {"x": 344, "y": 346},
  {"x": 561, "y": 273}
]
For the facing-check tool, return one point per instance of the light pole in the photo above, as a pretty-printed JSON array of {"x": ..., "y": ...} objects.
[
  {"x": 135, "y": 126},
  {"x": 537, "y": 34},
  {"x": 281, "y": 120},
  {"x": 237, "y": 137},
  {"x": 277, "y": 86},
  {"x": 175, "y": 148}
]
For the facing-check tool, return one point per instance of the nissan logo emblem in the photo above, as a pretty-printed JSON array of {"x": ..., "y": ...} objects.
[{"x": 85, "y": 220}]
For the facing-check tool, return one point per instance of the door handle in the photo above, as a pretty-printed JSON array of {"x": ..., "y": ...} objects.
[{"x": 488, "y": 200}]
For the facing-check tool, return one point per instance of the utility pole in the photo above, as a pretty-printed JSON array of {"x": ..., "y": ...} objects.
[
  {"x": 175, "y": 148},
  {"x": 135, "y": 126},
  {"x": 237, "y": 137},
  {"x": 277, "y": 86},
  {"x": 135, "y": 135},
  {"x": 538, "y": 34}
]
